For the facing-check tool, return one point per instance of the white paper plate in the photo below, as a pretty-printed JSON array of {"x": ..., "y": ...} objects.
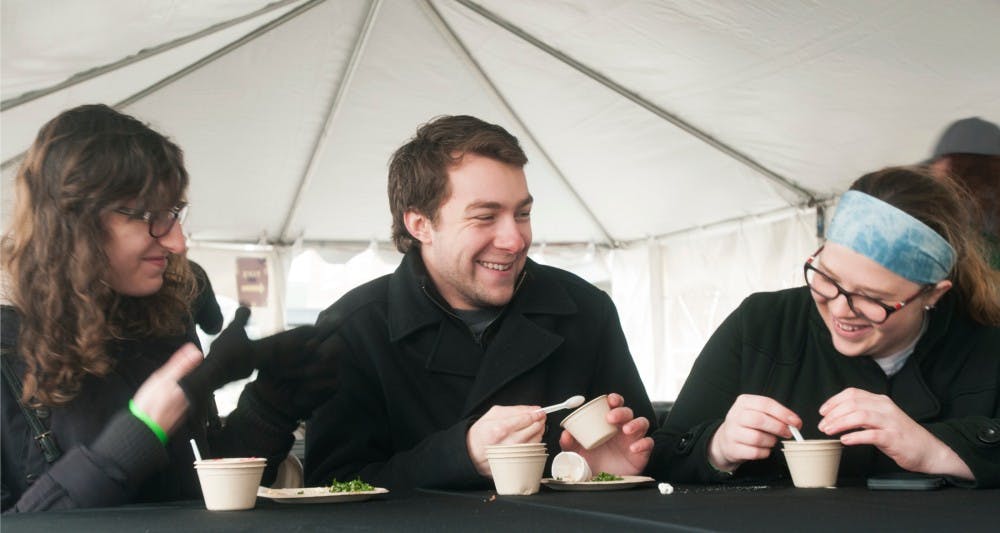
[
  {"x": 627, "y": 482},
  {"x": 317, "y": 495}
]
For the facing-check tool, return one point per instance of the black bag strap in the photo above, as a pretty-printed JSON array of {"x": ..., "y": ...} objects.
[{"x": 43, "y": 436}]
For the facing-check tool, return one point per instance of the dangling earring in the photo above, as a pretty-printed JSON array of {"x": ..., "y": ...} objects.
[{"x": 928, "y": 307}]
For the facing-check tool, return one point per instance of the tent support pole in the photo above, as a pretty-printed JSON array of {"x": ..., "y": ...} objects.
[
  {"x": 746, "y": 160},
  {"x": 449, "y": 34},
  {"x": 338, "y": 99}
]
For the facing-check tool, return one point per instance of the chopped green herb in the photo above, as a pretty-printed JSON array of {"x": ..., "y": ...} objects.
[
  {"x": 604, "y": 476},
  {"x": 301, "y": 492},
  {"x": 350, "y": 486}
]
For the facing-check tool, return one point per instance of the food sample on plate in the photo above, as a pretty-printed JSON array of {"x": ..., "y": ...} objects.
[
  {"x": 355, "y": 485},
  {"x": 604, "y": 476}
]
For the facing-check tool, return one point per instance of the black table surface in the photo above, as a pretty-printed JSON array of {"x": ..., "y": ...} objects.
[{"x": 689, "y": 508}]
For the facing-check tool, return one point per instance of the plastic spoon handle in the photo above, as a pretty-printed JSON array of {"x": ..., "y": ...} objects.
[
  {"x": 575, "y": 401},
  {"x": 795, "y": 433}
]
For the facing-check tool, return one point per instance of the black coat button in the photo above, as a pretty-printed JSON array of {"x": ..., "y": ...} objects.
[
  {"x": 989, "y": 435},
  {"x": 684, "y": 442}
]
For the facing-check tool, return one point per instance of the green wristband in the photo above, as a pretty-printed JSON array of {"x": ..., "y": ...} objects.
[{"x": 150, "y": 423}]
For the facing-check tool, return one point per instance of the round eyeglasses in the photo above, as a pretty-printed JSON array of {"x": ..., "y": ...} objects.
[
  {"x": 866, "y": 307},
  {"x": 160, "y": 222}
]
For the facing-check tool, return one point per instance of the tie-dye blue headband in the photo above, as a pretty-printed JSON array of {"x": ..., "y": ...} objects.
[{"x": 891, "y": 237}]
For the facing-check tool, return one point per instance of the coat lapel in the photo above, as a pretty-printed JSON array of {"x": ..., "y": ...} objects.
[
  {"x": 909, "y": 389},
  {"x": 525, "y": 338}
]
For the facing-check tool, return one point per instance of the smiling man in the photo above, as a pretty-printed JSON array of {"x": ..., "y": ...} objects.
[{"x": 461, "y": 345}]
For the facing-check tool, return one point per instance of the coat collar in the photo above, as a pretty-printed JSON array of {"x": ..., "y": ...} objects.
[
  {"x": 524, "y": 337},
  {"x": 911, "y": 391}
]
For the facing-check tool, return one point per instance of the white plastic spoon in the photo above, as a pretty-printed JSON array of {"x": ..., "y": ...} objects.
[
  {"x": 570, "y": 403},
  {"x": 795, "y": 433}
]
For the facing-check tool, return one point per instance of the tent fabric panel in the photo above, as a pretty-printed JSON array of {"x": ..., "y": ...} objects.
[
  {"x": 374, "y": 121},
  {"x": 21, "y": 123},
  {"x": 248, "y": 120}
]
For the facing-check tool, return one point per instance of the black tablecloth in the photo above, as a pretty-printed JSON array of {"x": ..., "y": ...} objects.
[{"x": 690, "y": 508}]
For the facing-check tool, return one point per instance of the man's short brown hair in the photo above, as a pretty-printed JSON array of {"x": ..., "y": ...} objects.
[{"x": 418, "y": 170}]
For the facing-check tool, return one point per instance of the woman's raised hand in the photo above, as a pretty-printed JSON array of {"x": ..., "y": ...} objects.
[
  {"x": 160, "y": 396},
  {"x": 751, "y": 428}
]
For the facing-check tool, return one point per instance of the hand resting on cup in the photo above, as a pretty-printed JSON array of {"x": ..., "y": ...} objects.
[
  {"x": 876, "y": 420},
  {"x": 516, "y": 424}
]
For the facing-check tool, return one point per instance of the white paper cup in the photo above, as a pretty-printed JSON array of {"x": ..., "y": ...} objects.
[
  {"x": 813, "y": 464},
  {"x": 571, "y": 466},
  {"x": 589, "y": 424},
  {"x": 517, "y": 476},
  {"x": 230, "y": 484}
]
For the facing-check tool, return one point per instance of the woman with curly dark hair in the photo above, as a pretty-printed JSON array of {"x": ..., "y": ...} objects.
[{"x": 103, "y": 383}]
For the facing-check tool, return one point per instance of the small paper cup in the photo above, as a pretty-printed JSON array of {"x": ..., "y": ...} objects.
[
  {"x": 813, "y": 464},
  {"x": 517, "y": 476},
  {"x": 571, "y": 466},
  {"x": 589, "y": 424},
  {"x": 230, "y": 484}
]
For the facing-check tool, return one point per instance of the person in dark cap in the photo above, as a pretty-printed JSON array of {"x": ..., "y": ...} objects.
[{"x": 969, "y": 152}]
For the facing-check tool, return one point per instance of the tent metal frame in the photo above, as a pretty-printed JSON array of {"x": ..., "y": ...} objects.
[
  {"x": 143, "y": 54},
  {"x": 807, "y": 196},
  {"x": 449, "y": 34},
  {"x": 360, "y": 43}
]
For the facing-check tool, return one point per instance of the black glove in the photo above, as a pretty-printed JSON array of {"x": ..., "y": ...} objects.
[
  {"x": 293, "y": 385},
  {"x": 234, "y": 356}
]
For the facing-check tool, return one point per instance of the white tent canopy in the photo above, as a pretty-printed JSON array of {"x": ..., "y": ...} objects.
[
  {"x": 641, "y": 118},
  {"x": 645, "y": 121}
]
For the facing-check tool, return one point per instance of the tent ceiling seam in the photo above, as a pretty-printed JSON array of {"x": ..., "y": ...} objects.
[
  {"x": 345, "y": 83},
  {"x": 642, "y": 102},
  {"x": 198, "y": 64},
  {"x": 449, "y": 34},
  {"x": 225, "y": 50},
  {"x": 141, "y": 55}
]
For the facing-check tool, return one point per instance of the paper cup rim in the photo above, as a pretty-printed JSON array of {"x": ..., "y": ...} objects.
[
  {"x": 582, "y": 408},
  {"x": 812, "y": 442},
  {"x": 232, "y": 460}
]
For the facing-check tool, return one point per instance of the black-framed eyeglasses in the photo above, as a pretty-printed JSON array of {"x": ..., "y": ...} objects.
[
  {"x": 160, "y": 222},
  {"x": 866, "y": 307}
]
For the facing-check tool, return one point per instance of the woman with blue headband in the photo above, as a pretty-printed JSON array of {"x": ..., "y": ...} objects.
[{"x": 893, "y": 346}]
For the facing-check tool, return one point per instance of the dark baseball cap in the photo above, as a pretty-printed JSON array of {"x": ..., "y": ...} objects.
[{"x": 969, "y": 136}]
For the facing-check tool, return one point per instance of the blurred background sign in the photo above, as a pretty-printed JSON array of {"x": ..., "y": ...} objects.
[{"x": 251, "y": 281}]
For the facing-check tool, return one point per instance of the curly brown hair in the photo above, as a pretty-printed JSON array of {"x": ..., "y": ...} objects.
[
  {"x": 947, "y": 208},
  {"x": 418, "y": 170},
  {"x": 83, "y": 163}
]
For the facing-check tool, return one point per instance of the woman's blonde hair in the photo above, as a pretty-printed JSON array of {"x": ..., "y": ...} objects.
[
  {"x": 948, "y": 208},
  {"x": 84, "y": 163}
]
